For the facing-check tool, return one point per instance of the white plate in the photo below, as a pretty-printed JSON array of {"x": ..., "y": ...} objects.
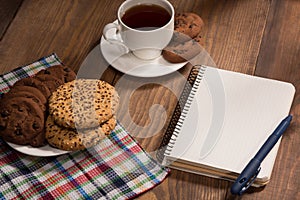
[
  {"x": 44, "y": 151},
  {"x": 129, "y": 64}
]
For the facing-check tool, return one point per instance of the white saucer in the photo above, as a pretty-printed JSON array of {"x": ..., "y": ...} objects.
[
  {"x": 129, "y": 64},
  {"x": 44, "y": 151}
]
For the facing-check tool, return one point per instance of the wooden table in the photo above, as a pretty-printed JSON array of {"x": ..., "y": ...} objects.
[{"x": 257, "y": 37}]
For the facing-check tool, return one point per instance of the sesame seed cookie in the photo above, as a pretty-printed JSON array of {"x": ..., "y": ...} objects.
[
  {"x": 83, "y": 103},
  {"x": 72, "y": 140}
]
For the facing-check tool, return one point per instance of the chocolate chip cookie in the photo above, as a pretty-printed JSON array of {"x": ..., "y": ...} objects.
[
  {"x": 64, "y": 73},
  {"x": 189, "y": 24},
  {"x": 32, "y": 82},
  {"x": 180, "y": 52},
  {"x": 39, "y": 140},
  {"x": 21, "y": 120},
  {"x": 28, "y": 92},
  {"x": 187, "y": 40},
  {"x": 50, "y": 81}
]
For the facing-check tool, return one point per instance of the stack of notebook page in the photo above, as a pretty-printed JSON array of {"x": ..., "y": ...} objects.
[{"x": 225, "y": 119}]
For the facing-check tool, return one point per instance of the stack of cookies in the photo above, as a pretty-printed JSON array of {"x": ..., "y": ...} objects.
[
  {"x": 187, "y": 40},
  {"x": 81, "y": 113},
  {"x": 23, "y": 109}
]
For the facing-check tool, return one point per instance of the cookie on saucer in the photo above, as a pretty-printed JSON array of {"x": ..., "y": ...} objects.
[
  {"x": 189, "y": 24},
  {"x": 181, "y": 52},
  {"x": 187, "y": 40}
]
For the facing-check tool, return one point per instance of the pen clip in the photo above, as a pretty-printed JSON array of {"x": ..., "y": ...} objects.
[{"x": 250, "y": 182}]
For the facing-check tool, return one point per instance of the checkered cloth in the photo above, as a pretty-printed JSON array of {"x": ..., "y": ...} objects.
[{"x": 117, "y": 168}]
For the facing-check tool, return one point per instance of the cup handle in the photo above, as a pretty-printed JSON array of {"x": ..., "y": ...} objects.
[{"x": 116, "y": 26}]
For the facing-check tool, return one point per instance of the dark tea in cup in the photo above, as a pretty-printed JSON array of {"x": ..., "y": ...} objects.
[
  {"x": 143, "y": 27},
  {"x": 146, "y": 17}
]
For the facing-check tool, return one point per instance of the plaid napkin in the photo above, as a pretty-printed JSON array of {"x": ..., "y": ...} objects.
[{"x": 117, "y": 168}]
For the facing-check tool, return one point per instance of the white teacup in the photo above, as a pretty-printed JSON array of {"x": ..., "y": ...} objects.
[{"x": 145, "y": 42}]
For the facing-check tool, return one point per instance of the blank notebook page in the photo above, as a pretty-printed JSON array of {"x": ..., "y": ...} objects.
[{"x": 230, "y": 117}]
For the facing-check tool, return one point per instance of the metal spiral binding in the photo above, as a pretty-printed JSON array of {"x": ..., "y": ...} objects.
[{"x": 187, "y": 104}]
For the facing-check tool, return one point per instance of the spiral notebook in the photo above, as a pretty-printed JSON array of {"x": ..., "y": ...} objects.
[{"x": 221, "y": 120}]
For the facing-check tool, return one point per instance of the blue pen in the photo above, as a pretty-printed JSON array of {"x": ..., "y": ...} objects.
[{"x": 250, "y": 172}]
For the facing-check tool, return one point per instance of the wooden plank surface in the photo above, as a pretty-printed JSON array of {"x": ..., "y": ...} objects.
[
  {"x": 69, "y": 28},
  {"x": 256, "y": 36},
  {"x": 8, "y": 10},
  {"x": 279, "y": 59}
]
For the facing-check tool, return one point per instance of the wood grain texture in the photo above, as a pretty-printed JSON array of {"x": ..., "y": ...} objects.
[
  {"x": 8, "y": 10},
  {"x": 69, "y": 28},
  {"x": 258, "y": 37},
  {"x": 233, "y": 30},
  {"x": 279, "y": 59}
]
